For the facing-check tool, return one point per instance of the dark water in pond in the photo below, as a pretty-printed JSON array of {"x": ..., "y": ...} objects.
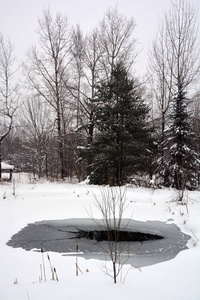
[{"x": 143, "y": 243}]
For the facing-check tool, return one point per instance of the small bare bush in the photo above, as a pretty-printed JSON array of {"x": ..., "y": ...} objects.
[{"x": 112, "y": 205}]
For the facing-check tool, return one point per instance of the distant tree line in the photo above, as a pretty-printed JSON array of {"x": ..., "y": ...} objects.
[{"x": 81, "y": 111}]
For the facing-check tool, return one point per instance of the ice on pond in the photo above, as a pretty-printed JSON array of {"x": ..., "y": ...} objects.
[{"x": 155, "y": 241}]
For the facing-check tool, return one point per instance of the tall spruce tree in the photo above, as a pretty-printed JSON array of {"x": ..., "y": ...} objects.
[
  {"x": 180, "y": 165},
  {"x": 120, "y": 145}
]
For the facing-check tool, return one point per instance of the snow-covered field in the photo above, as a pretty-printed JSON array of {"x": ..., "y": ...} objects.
[{"x": 175, "y": 279}]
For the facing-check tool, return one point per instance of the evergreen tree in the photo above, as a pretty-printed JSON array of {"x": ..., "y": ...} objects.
[
  {"x": 180, "y": 165},
  {"x": 119, "y": 148}
]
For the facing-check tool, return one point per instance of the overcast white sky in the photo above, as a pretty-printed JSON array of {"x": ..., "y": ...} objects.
[{"x": 19, "y": 18}]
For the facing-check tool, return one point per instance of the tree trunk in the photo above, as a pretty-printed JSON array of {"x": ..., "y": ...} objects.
[
  {"x": 114, "y": 272},
  {"x": 0, "y": 158},
  {"x": 60, "y": 144}
]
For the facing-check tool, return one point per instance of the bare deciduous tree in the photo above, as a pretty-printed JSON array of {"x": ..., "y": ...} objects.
[
  {"x": 116, "y": 41},
  {"x": 37, "y": 128},
  {"x": 9, "y": 91},
  {"x": 161, "y": 77},
  {"x": 93, "y": 76},
  {"x": 112, "y": 205},
  {"x": 174, "y": 57},
  {"x": 78, "y": 53},
  {"x": 183, "y": 48},
  {"x": 47, "y": 72}
]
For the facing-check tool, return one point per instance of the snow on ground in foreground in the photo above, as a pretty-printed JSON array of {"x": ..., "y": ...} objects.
[{"x": 171, "y": 280}]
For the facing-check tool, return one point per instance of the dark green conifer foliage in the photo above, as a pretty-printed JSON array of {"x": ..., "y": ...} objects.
[
  {"x": 180, "y": 165},
  {"x": 122, "y": 134}
]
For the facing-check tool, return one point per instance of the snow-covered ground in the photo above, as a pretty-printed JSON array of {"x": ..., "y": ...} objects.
[{"x": 175, "y": 279}]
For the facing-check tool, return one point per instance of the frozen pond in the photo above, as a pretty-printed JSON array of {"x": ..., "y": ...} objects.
[{"x": 63, "y": 236}]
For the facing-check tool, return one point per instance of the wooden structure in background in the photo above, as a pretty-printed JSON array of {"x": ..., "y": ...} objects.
[{"x": 7, "y": 169}]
